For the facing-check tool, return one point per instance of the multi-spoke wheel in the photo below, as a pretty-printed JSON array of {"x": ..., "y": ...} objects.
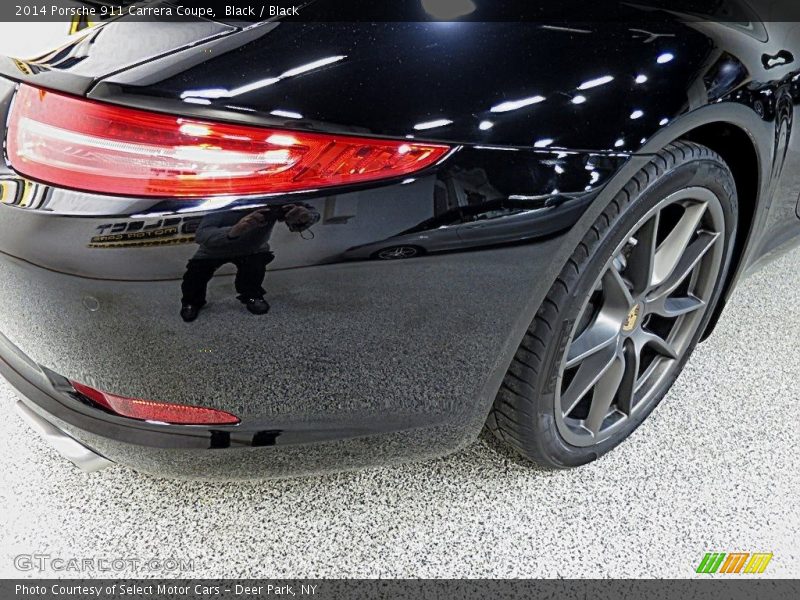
[
  {"x": 397, "y": 253},
  {"x": 641, "y": 314},
  {"x": 625, "y": 313}
]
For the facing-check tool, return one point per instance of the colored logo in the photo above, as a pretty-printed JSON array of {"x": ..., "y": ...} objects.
[
  {"x": 633, "y": 316},
  {"x": 734, "y": 562}
]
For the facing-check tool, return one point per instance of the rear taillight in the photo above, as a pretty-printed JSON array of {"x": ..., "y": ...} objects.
[
  {"x": 148, "y": 410},
  {"x": 86, "y": 145}
]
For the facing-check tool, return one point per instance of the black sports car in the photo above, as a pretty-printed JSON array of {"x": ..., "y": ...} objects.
[{"x": 194, "y": 210}]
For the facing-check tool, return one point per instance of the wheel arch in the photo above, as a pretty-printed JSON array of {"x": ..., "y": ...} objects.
[
  {"x": 746, "y": 142},
  {"x": 739, "y": 151},
  {"x": 711, "y": 125}
]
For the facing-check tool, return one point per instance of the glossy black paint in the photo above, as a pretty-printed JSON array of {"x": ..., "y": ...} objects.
[{"x": 362, "y": 361}]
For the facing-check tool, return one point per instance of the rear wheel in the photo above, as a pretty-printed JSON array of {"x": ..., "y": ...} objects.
[
  {"x": 397, "y": 253},
  {"x": 622, "y": 318}
]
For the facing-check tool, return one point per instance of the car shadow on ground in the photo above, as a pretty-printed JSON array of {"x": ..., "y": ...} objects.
[{"x": 486, "y": 455}]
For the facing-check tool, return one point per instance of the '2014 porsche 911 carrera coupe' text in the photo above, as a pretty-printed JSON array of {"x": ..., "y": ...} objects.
[{"x": 235, "y": 250}]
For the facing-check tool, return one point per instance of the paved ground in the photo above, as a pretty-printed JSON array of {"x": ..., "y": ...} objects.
[{"x": 714, "y": 468}]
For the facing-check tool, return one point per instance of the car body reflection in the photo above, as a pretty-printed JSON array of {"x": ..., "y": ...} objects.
[
  {"x": 243, "y": 241},
  {"x": 500, "y": 221}
]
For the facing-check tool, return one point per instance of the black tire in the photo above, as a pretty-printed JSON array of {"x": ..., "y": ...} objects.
[{"x": 524, "y": 414}]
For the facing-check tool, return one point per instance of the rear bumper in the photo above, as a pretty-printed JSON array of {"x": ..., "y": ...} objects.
[
  {"x": 339, "y": 377},
  {"x": 93, "y": 439},
  {"x": 358, "y": 362}
]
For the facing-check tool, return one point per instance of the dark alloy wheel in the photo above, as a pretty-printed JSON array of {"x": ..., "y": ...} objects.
[
  {"x": 625, "y": 313},
  {"x": 397, "y": 253},
  {"x": 641, "y": 316}
]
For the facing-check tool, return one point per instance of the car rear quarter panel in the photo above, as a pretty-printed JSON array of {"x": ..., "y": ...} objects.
[{"x": 359, "y": 361}]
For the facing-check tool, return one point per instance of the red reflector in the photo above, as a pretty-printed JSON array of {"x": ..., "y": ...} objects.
[
  {"x": 86, "y": 145},
  {"x": 147, "y": 410}
]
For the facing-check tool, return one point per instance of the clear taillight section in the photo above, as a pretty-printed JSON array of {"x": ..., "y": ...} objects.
[
  {"x": 86, "y": 145},
  {"x": 150, "y": 410}
]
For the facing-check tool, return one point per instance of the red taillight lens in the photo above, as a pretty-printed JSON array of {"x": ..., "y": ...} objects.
[
  {"x": 86, "y": 145},
  {"x": 147, "y": 410}
]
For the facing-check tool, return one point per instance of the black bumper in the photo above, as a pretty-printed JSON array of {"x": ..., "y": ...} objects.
[
  {"x": 359, "y": 362},
  {"x": 404, "y": 369}
]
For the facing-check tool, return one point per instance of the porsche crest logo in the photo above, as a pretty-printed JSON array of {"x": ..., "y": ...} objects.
[{"x": 632, "y": 318}]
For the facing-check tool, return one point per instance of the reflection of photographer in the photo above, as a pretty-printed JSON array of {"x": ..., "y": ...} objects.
[{"x": 243, "y": 241}]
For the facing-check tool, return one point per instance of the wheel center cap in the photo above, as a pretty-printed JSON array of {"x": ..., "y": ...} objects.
[{"x": 632, "y": 318}]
